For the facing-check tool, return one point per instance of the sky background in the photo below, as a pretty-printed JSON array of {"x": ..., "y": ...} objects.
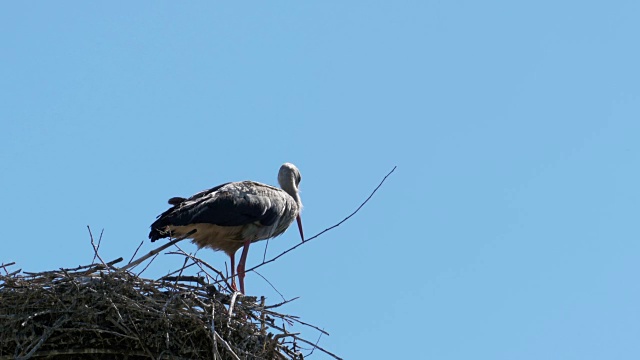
[{"x": 509, "y": 229}]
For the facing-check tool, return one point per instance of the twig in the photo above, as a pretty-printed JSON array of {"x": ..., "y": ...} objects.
[
  {"x": 179, "y": 270},
  {"x": 314, "y": 346},
  {"x": 319, "y": 348},
  {"x": 281, "y": 303},
  {"x": 99, "y": 242},
  {"x": 283, "y": 329},
  {"x": 280, "y": 336},
  {"x": 95, "y": 248},
  {"x": 263, "y": 326},
  {"x": 112, "y": 262},
  {"x": 4, "y": 266},
  {"x": 226, "y": 346},
  {"x": 186, "y": 259},
  {"x": 327, "y": 229},
  {"x": 156, "y": 251},
  {"x": 311, "y": 326},
  {"x": 95, "y": 267},
  {"x": 216, "y": 354},
  {"x": 149, "y": 263},
  {"x": 187, "y": 278},
  {"x": 136, "y": 252},
  {"x": 269, "y": 282},
  {"x": 44, "y": 337},
  {"x": 199, "y": 263},
  {"x": 14, "y": 272}
]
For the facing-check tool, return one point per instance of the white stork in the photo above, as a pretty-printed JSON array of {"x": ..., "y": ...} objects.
[{"x": 233, "y": 215}]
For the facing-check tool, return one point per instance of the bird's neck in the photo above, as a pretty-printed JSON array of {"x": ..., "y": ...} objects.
[{"x": 291, "y": 190}]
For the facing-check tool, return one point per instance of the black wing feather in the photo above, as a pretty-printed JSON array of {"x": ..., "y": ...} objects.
[
  {"x": 223, "y": 207},
  {"x": 226, "y": 209}
]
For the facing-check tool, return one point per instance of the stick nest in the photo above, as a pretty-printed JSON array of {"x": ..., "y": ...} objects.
[{"x": 97, "y": 311}]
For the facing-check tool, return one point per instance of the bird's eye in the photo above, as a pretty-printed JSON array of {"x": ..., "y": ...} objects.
[{"x": 298, "y": 178}]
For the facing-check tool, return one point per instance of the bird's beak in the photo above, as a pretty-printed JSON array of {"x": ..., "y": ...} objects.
[{"x": 300, "y": 227}]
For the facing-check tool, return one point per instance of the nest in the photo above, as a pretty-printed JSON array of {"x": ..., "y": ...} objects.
[{"x": 102, "y": 312}]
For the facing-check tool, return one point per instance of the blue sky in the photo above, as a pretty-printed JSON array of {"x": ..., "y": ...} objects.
[{"x": 508, "y": 231}]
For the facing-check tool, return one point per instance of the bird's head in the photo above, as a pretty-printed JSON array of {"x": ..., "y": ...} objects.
[{"x": 289, "y": 179}]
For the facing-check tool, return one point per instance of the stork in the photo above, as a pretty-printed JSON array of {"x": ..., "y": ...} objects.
[{"x": 233, "y": 215}]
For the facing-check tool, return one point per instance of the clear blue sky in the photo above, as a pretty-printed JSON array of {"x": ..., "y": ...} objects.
[{"x": 508, "y": 231}]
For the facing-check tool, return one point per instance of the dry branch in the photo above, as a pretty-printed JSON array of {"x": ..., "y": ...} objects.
[
  {"x": 327, "y": 229},
  {"x": 156, "y": 251}
]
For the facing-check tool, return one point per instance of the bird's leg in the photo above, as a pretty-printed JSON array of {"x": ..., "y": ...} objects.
[
  {"x": 232, "y": 256},
  {"x": 241, "y": 264}
]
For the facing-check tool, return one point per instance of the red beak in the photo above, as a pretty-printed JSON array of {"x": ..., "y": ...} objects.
[{"x": 300, "y": 227}]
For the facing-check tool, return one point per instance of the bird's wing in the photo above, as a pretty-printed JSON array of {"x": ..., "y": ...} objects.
[
  {"x": 231, "y": 208},
  {"x": 231, "y": 204},
  {"x": 202, "y": 193}
]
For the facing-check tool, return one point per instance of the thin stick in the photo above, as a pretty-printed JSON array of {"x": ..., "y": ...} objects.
[
  {"x": 327, "y": 229},
  {"x": 263, "y": 326},
  {"x": 177, "y": 271},
  {"x": 188, "y": 278},
  {"x": 199, "y": 263},
  {"x": 149, "y": 263},
  {"x": 216, "y": 354},
  {"x": 186, "y": 259},
  {"x": 314, "y": 346},
  {"x": 283, "y": 329},
  {"x": 95, "y": 248},
  {"x": 156, "y": 251},
  {"x": 273, "y": 287},
  {"x": 311, "y": 326},
  {"x": 99, "y": 241},
  {"x": 4, "y": 266},
  {"x": 136, "y": 252},
  {"x": 95, "y": 267},
  {"x": 281, "y": 303},
  {"x": 226, "y": 346}
]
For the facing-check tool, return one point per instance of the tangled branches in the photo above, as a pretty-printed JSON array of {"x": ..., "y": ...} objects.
[{"x": 90, "y": 311}]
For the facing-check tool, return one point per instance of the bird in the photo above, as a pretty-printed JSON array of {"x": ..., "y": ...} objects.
[{"x": 233, "y": 215}]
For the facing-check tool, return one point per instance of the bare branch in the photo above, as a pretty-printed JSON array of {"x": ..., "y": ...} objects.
[
  {"x": 99, "y": 242},
  {"x": 156, "y": 251},
  {"x": 136, "y": 252},
  {"x": 4, "y": 266},
  {"x": 281, "y": 303},
  {"x": 226, "y": 346},
  {"x": 315, "y": 345},
  {"x": 200, "y": 263},
  {"x": 269, "y": 282},
  {"x": 95, "y": 248},
  {"x": 149, "y": 263},
  {"x": 283, "y": 329},
  {"x": 327, "y": 229}
]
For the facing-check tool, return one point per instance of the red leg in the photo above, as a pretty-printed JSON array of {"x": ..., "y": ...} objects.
[
  {"x": 241, "y": 264},
  {"x": 233, "y": 271}
]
